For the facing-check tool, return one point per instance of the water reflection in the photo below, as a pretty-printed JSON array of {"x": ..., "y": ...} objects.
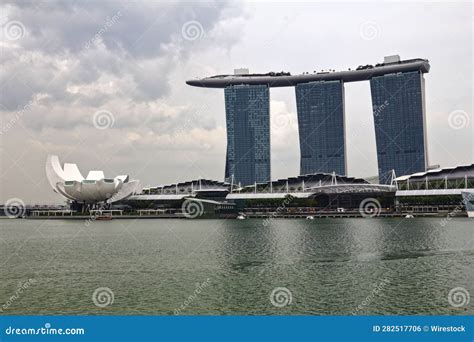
[{"x": 330, "y": 265}]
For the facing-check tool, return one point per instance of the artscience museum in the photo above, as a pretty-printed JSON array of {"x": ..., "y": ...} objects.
[{"x": 87, "y": 191}]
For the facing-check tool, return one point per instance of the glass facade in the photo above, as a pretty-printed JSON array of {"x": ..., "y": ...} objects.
[
  {"x": 248, "y": 134},
  {"x": 320, "y": 108},
  {"x": 398, "y": 109}
]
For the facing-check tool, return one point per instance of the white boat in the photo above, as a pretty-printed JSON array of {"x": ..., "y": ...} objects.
[
  {"x": 310, "y": 217},
  {"x": 409, "y": 216},
  {"x": 468, "y": 200},
  {"x": 241, "y": 217}
]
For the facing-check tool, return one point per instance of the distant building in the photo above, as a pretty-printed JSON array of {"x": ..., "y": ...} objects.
[
  {"x": 248, "y": 134},
  {"x": 320, "y": 108},
  {"x": 442, "y": 181},
  {"x": 321, "y": 191},
  {"x": 436, "y": 190},
  {"x": 468, "y": 199}
]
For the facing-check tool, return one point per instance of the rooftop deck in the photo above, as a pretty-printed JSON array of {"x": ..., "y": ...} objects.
[{"x": 283, "y": 79}]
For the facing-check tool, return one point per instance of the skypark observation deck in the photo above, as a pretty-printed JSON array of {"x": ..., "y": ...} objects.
[{"x": 284, "y": 79}]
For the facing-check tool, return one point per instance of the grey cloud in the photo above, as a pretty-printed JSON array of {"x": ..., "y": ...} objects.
[
  {"x": 140, "y": 28},
  {"x": 75, "y": 44}
]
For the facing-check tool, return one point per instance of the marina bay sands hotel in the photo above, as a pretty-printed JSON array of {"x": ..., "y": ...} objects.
[{"x": 398, "y": 100}]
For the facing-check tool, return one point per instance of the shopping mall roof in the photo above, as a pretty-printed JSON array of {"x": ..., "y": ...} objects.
[{"x": 455, "y": 172}]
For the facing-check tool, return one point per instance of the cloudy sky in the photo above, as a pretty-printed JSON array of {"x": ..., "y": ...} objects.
[{"x": 102, "y": 83}]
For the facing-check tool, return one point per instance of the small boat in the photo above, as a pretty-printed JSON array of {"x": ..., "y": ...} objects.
[
  {"x": 241, "y": 217},
  {"x": 409, "y": 216},
  {"x": 310, "y": 217},
  {"x": 103, "y": 218}
]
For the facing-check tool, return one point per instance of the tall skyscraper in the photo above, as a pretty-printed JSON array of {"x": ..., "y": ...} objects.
[
  {"x": 398, "y": 108},
  {"x": 248, "y": 133},
  {"x": 398, "y": 101},
  {"x": 320, "y": 108}
]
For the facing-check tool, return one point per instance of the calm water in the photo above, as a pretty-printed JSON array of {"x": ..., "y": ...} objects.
[{"x": 330, "y": 266}]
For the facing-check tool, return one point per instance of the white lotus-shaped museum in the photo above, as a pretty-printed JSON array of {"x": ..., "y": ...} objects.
[{"x": 69, "y": 182}]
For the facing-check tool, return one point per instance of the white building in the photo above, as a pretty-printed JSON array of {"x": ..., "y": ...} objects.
[{"x": 68, "y": 181}]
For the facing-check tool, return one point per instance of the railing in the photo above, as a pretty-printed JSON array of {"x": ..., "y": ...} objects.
[{"x": 52, "y": 213}]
